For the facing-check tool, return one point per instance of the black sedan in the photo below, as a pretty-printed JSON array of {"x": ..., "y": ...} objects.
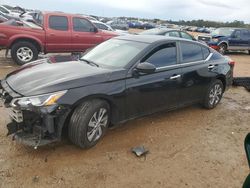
[
  {"x": 121, "y": 79},
  {"x": 168, "y": 32}
]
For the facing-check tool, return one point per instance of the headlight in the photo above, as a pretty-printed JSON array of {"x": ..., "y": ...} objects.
[{"x": 39, "y": 100}]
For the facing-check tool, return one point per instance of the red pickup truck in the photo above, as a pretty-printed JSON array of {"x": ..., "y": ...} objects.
[{"x": 52, "y": 32}]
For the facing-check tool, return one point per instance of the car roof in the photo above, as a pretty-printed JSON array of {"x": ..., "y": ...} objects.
[
  {"x": 161, "y": 30},
  {"x": 150, "y": 39}
]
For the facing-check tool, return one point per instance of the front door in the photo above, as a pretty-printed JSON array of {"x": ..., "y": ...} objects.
[
  {"x": 236, "y": 42},
  {"x": 149, "y": 93},
  {"x": 84, "y": 35}
]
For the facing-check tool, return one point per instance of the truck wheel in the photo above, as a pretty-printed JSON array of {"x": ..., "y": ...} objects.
[
  {"x": 223, "y": 49},
  {"x": 214, "y": 94},
  {"x": 24, "y": 52},
  {"x": 89, "y": 123}
]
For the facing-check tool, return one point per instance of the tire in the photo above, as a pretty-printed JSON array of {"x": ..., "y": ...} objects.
[
  {"x": 81, "y": 131},
  {"x": 211, "y": 99},
  {"x": 249, "y": 52},
  {"x": 24, "y": 52},
  {"x": 223, "y": 49}
]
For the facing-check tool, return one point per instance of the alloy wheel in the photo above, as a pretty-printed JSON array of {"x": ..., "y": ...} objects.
[
  {"x": 215, "y": 94},
  {"x": 24, "y": 54},
  {"x": 96, "y": 124},
  {"x": 222, "y": 49}
]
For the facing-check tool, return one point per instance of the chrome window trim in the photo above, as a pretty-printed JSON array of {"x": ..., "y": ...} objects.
[{"x": 184, "y": 64}]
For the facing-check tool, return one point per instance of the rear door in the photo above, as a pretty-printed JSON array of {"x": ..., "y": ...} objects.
[
  {"x": 196, "y": 74},
  {"x": 246, "y": 39},
  {"x": 58, "y": 34},
  {"x": 149, "y": 93},
  {"x": 84, "y": 34},
  {"x": 238, "y": 41}
]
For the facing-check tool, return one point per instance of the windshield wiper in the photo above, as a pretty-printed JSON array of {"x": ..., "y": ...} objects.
[{"x": 89, "y": 62}]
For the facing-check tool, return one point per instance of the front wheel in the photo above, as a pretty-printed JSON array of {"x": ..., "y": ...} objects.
[
  {"x": 214, "y": 94},
  {"x": 89, "y": 123},
  {"x": 223, "y": 49}
]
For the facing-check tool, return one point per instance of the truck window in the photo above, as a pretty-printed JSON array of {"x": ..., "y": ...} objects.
[
  {"x": 82, "y": 25},
  {"x": 245, "y": 34},
  {"x": 58, "y": 23}
]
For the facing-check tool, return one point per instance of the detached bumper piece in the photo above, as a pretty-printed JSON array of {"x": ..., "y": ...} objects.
[{"x": 242, "y": 81}]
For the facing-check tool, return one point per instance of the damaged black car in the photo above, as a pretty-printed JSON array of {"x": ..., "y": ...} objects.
[{"x": 121, "y": 79}]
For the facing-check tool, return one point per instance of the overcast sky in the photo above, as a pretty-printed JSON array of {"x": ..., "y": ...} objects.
[{"x": 217, "y": 10}]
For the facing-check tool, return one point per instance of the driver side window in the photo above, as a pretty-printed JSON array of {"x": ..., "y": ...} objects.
[
  {"x": 237, "y": 34},
  {"x": 163, "y": 55}
]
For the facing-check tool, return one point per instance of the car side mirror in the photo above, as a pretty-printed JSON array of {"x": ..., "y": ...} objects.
[{"x": 145, "y": 68}]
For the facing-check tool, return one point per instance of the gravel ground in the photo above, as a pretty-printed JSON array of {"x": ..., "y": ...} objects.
[{"x": 190, "y": 147}]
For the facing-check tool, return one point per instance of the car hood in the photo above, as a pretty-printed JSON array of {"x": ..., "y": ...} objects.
[
  {"x": 42, "y": 76},
  {"x": 218, "y": 36}
]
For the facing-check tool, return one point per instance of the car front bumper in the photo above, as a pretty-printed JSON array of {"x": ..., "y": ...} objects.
[{"x": 34, "y": 126}]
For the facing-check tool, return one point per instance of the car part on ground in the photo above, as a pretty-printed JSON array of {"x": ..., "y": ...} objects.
[
  {"x": 120, "y": 79},
  {"x": 140, "y": 151},
  {"x": 242, "y": 81}
]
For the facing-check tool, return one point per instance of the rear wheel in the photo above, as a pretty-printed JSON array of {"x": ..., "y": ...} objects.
[
  {"x": 24, "y": 52},
  {"x": 223, "y": 49},
  {"x": 89, "y": 123},
  {"x": 214, "y": 94}
]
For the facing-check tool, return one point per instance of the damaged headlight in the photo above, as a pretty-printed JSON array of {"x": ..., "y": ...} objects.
[{"x": 39, "y": 100}]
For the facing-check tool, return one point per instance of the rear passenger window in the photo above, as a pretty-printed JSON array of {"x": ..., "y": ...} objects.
[
  {"x": 205, "y": 52},
  {"x": 186, "y": 36},
  {"x": 58, "y": 23},
  {"x": 164, "y": 55},
  {"x": 172, "y": 34},
  {"x": 245, "y": 34},
  {"x": 82, "y": 25},
  {"x": 216, "y": 55},
  {"x": 191, "y": 52}
]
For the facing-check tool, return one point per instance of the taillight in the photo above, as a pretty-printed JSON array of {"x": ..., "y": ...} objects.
[{"x": 232, "y": 63}]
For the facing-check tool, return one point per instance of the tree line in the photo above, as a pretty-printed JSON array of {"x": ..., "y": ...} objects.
[{"x": 204, "y": 23}]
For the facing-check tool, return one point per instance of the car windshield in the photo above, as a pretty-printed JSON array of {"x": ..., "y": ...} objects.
[
  {"x": 223, "y": 32},
  {"x": 114, "y": 52}
]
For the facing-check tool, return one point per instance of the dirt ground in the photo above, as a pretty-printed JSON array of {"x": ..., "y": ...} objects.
[{"x": 190, "y": 147}]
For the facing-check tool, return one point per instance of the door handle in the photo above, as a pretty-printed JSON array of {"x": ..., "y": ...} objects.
[
  {"x": 211, "y": 66},
  {"x": 175, "y": 77},
  {"x": 52, "y": 34}
]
